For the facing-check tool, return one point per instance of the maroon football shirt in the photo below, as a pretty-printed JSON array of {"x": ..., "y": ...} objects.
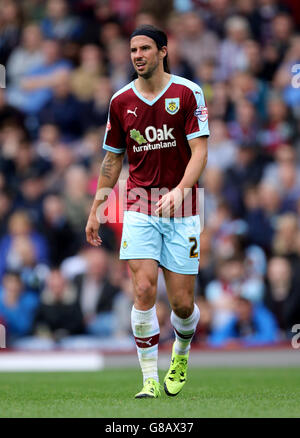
[{"x": 155, "y": 135}]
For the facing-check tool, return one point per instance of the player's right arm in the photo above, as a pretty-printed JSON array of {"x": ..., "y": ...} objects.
[
  {"x": 114, "y": 143},
  {"x": 109, "y": 173}
]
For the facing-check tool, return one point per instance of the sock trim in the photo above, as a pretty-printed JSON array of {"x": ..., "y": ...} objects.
[
  {"x": 184, "y": 335},
  {"x": 150, "y": 341}
]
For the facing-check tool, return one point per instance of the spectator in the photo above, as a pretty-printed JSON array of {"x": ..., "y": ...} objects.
[
  {"x": 222, "y": 150},
  {"x": 279, "y": 127},
  {"x": 220, "y": 105},
  {"x": 284, "y": 175},
  {"x": 123, "y": 301},
  {"x": 119, "y": 67},
  {"x": 214, "y": 183},
  {"x": 19, "y": 224},
  {"x": 96, "y": 112},
  {"x": 58, "y": 314},
  {"x": 96, "y": 295},
  {"x": 31, "y": 195},
  {"x": 76, "y": 199},
  {"x": 61, "y": 238},
  {"x": 243, "y": 54},
  {"x": 197, "y": 43},
  {"x": 205, "y": 75},
  {"x": 284, "y": 76},
  {"x": 48, "y": 139},
  {"x": 232, "y": 52},
  {"x": 250, "y": 326},
  {"x": 9, "y": 116},
  {"x": 6, "y": 206},
  {"x": 245, "y": 126},
  {"x": 63, "y": 157},
  {"x": 231, "y": 282},
  {"x": 21, "y": 160},
  {"x": 10, "y": 28},
  {"x": 262, "y": 216},
  {"x": 25, "y": 57},
  {"x": 284, "y": 243},
  {"x": 247, "y": 170},
  {"x": 178, "y": 64},
  {"x": 244, "y": 86},
  {"x": 282, "y": 28},
  {"x": 24, "y": 260},
  {"x": 36, "y": 87},
  {"x": 63, "y": 110},
  {"x": 17, "y": 306},
  {"x": 219, "y": 12},
  {"x": 59, "y": 23},
  {"x": 282, "y": 294},
  {"x": 84, "y": 77}
]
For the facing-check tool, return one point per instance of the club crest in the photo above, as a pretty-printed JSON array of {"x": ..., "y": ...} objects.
[{"x": 172, "y": 105}]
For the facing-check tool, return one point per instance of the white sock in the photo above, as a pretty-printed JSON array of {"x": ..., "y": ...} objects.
[
  {"x": 184, "y": 330},
  {"x": 145, "y": 329}
]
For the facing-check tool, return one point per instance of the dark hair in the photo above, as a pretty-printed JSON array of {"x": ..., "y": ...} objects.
[{"x": 158, "y": 36}]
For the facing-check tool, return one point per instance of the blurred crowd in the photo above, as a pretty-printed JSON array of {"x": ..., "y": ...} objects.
[{"x": 64, "y": 60}]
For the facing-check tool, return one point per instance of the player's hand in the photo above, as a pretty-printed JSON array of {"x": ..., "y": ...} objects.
[
  {"x": 169, "y": 203},
  {"x": 91, "y": 230}
]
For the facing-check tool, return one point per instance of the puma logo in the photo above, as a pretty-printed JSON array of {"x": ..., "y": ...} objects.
[
  {"x": 132, "y": 112},
  {"x": 145, "y": 342}
]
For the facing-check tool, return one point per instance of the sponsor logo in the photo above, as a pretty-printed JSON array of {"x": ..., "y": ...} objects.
[
  {"x": 125, "y": 244},
  {"x": 147, "y": 142},
  {"x": 137, "y": 136},
  {"x": 108, "y": 126},
  {"x": 172, "y": 105},
  {"x": 152, "y": 134},
  {"x": 132, "y": 112},
  {"x": 201, "y": 113}
]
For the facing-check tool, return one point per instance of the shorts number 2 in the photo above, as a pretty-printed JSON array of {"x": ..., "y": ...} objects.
[{"x": 193, "y": 249}]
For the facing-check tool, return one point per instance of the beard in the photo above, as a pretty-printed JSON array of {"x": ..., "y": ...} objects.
[{"x": 148, "y": 74}]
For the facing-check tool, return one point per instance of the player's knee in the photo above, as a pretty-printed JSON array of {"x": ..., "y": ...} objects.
[
  {"x": 183, "y": 308},
  {"x": 144, "y": 291}
]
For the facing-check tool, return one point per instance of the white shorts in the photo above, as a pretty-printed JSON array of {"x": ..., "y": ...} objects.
[{"x": 174, "y": 242}]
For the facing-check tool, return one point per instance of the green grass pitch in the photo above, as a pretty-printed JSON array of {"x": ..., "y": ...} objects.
[{"x": 214, "y": 392}]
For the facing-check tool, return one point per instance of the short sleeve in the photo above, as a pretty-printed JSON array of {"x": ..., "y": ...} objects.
[
  {"x": 196, "y": 120},
  {"x": 114, "y": 139}
]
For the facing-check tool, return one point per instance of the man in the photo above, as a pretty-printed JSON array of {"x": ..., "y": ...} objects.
[{"x": 170, "y": 112}]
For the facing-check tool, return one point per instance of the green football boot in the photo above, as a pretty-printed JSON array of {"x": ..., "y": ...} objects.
[
  {"x": 176, "y": 376},
  {"x": 151, "y": 389}
]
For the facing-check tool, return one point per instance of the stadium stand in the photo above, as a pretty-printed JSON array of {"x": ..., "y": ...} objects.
[{"x": 64, "y": 60}]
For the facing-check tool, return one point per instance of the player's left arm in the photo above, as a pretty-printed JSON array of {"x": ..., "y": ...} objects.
[
  {"x": 170, "y": 202},
  {"x": 196, "y": 165}
]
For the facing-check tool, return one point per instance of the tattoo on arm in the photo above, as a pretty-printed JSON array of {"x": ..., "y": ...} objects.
[{"x": 107, "y": 165}]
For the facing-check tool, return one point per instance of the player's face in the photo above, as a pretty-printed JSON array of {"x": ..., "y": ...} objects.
[{"x": 145, "y": 55}]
